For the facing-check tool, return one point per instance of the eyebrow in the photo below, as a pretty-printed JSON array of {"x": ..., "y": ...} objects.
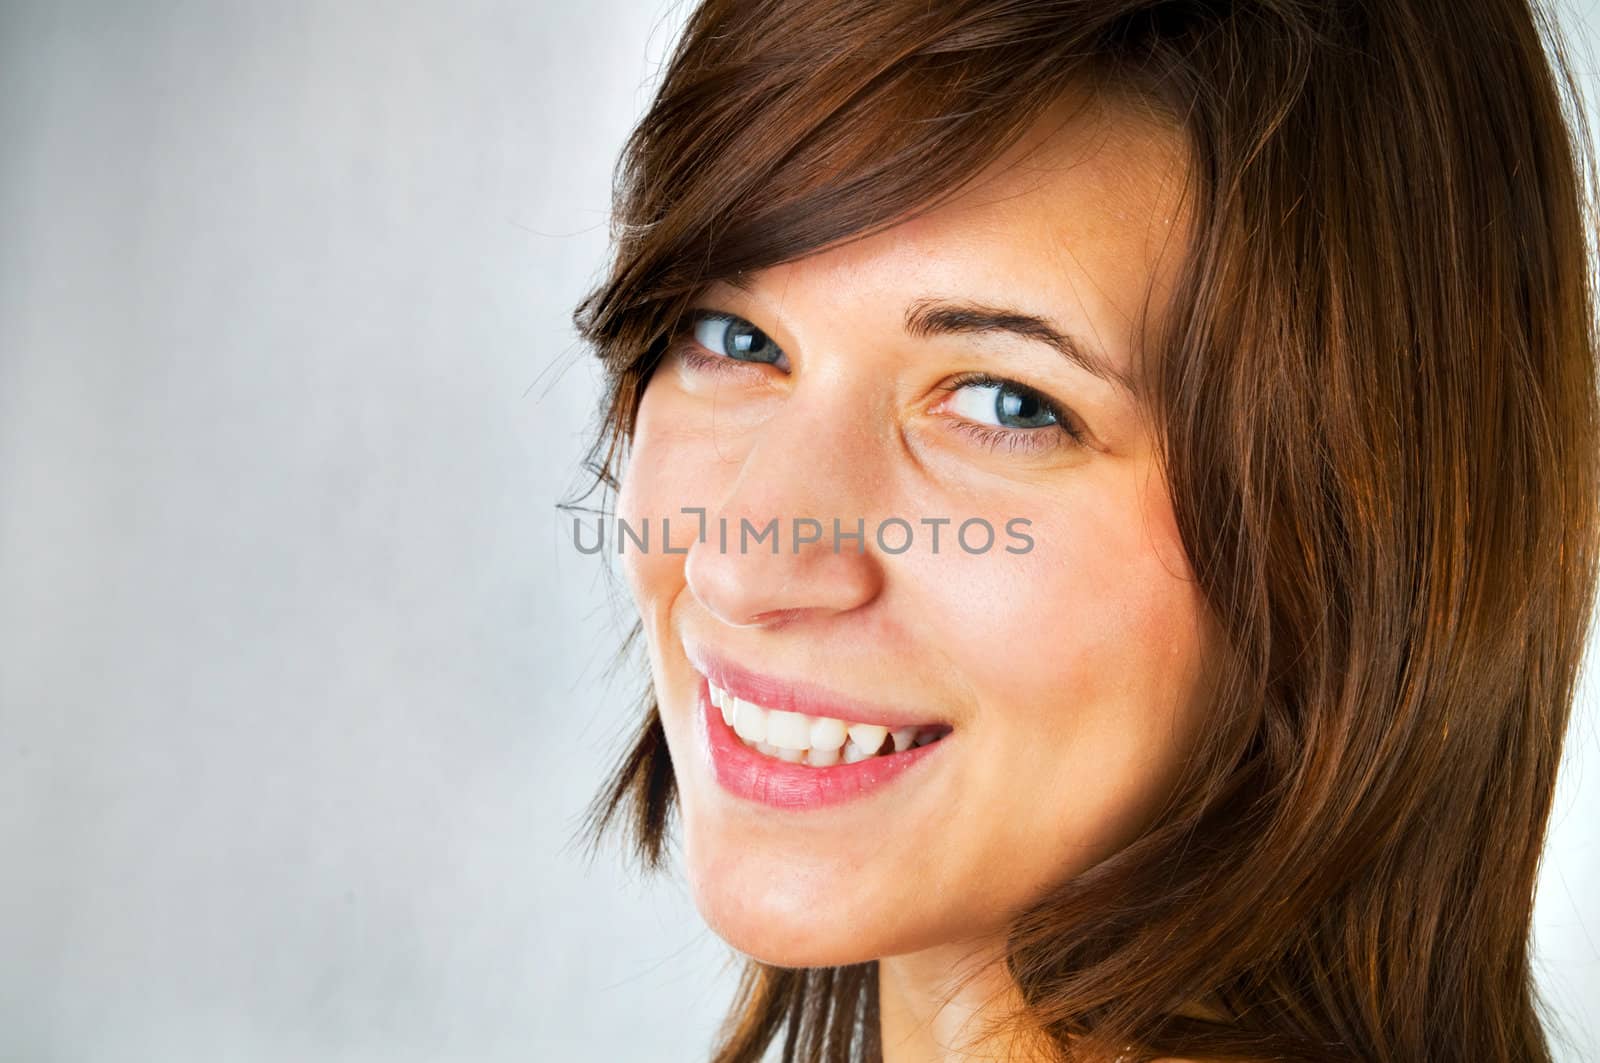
[
  {"x": 938, "y": 317},
  {"x": 944, "y": 317}
]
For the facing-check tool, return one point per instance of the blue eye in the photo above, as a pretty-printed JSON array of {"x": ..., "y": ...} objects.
[
  {"x": 1002, "y": 414},
  {"x": 1003, "y": 405},
  {"x": 737, "y": 339}
]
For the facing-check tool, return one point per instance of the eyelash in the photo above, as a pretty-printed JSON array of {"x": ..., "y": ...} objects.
[
  {"x": 695, "y": 358},
  {"x": 1011, "y": 440},
  {"x": 1027, "y": 440}
]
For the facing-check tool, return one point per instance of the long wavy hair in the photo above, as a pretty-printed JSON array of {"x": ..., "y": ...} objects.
[{"x": 1376, "y": 410}]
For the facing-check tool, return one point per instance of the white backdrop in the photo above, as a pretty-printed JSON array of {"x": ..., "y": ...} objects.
[{"x": 301, "y": 685}]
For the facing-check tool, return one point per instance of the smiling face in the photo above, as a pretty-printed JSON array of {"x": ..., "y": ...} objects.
[{"x": 960, "y": 365}]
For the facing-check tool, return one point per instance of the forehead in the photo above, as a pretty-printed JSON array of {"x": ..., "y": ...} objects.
[{"x": 1083, "y": 217}]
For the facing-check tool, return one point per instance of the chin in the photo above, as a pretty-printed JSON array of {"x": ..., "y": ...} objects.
[{"x": 773, "y": 911}]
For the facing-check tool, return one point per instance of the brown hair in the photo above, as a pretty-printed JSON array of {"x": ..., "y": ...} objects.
[{"x": 1376, "y": 402}]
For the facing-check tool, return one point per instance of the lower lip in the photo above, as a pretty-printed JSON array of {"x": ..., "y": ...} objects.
[{"x": 747, "y": 773}]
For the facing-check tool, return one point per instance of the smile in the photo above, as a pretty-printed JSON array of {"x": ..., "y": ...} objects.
[
  {"x": 782, "y": 757},
  {"x": 816, "y": 741}
]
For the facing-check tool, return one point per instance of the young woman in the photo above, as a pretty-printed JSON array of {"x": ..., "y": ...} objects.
[{"x": 1112, "y": 493}]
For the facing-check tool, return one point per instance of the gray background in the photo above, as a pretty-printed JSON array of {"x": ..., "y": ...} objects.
[{"x": 301, "y": 684}]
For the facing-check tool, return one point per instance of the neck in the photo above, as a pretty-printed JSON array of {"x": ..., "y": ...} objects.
[{"x": 934, "y": 1005}]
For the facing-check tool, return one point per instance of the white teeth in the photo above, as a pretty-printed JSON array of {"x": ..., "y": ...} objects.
[
  {"x": 868, "y": 736},
  {"x": 820, "y": 741},
  {"x": 854, "y": 753},
  {"x": 749, "y": 721},
  {"x": 721, "y": 700},
  {"x": 827, "y": 733},
  {"x": 822, "y": 758},
  {"x": 791, "y": 730}
]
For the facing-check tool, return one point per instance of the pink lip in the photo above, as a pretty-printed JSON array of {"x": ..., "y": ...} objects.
[
  {"x": 789, "y": 696},
  {"x": 746, "y": 773}
]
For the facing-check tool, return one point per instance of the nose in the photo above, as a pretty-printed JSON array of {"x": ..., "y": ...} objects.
[{"x": 810, "y": 462}]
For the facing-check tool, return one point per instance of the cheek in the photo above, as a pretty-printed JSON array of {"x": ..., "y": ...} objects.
[
  {"x": 1101, "y": 608},
  {"x": 1083, "y": 655},
  {"x": 667, "y": 469}
]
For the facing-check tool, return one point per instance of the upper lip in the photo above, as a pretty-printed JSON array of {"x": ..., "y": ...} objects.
[{"x": 798, "y": 696}]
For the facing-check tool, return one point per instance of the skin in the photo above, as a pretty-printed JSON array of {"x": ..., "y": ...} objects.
[{"x": 1073, "y": 675}]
